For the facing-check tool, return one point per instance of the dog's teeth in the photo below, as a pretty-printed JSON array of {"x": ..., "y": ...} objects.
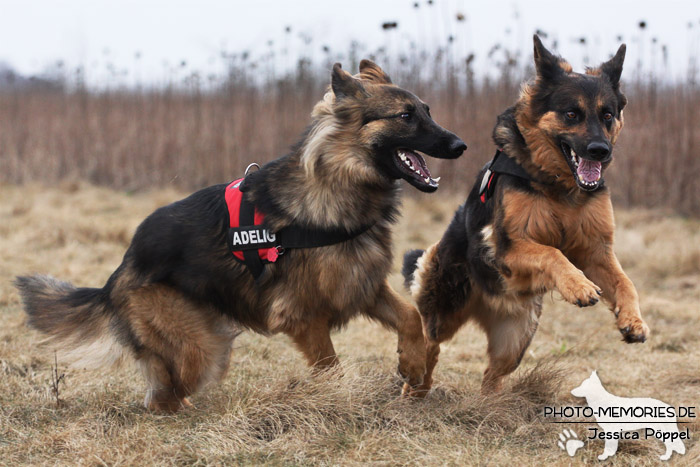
[
  {"x": 417, "y": 171},
  {"x": 436, "y": 180},
  {"x": 426, "y": 179}
]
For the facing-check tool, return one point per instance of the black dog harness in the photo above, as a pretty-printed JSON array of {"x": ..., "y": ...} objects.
[
  {"x": 503, "y": 164},
  {"x": 255, "y": 245},
  {"x": 500, "y": 164}
]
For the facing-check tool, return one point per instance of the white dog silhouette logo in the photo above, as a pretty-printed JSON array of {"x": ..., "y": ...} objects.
[{"x": 616, "y": 415}]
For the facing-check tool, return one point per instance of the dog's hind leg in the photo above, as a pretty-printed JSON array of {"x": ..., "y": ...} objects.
[
  {"x": 509, "y": 334},
  {"x": 183, "y": 345},
  {"x": 314, "y": 340},
  {"x": 442, "y": 293},
  {"x": 161, "y": 394}
]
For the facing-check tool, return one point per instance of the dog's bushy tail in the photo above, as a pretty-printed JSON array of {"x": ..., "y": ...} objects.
[
  {"x": 410, "y": 263},
  {"x": 76, "y": 320}
]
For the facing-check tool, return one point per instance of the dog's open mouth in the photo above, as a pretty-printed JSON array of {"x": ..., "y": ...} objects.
[
  {"x": 414, "y": 169},
  {"x": 588, "y": 173}
]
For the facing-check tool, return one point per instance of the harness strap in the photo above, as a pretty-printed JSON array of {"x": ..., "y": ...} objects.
[
  {"x": 500, "y": 164},
  {"x": 252, "y": 258},
  {"x": 253, "y": 243},
  {"x": 503, "y": 164},
  {"x": 295, "y": 236}
]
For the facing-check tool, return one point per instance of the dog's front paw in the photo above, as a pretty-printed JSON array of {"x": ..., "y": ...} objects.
[
  {"x": 578, "y": 290},
  {"x": 411, "y": 373},
  {"x": 632, "y": 327},
  {"x": 412, "y": 359},
  {"x": 418, "y": 392}
]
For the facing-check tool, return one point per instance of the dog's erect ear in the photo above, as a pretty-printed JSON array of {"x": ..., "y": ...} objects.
[
  {"x": 372, "y": 72},
  {"x": 613, "y": 67},
  {"x": 594, "y": 376},
  {"x": 344, "y": 85},
  {"x": 548, "y": 65}
]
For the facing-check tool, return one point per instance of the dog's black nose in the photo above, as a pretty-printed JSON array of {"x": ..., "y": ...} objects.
[
  {"x": 598, "y": 150},
  {"x": 457, "y": 147}
]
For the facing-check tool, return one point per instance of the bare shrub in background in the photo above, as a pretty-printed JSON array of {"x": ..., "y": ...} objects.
[{"x": 190, "y": 134}]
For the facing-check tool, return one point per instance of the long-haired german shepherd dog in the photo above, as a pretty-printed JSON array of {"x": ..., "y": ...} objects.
[
  {"x": 179, "y": 296},
  {"x": 544, "y": 222}
]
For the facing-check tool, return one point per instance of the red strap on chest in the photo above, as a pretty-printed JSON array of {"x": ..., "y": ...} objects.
[{"x": 233, "y": 201}]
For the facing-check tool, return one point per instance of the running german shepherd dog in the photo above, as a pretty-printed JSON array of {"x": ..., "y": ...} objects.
[
  {"x": 538, "y": 218},
  {"x": 180, "y": 295}
]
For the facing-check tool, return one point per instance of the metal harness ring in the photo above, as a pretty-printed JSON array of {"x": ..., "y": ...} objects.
[{"x": 247, "y": 169}]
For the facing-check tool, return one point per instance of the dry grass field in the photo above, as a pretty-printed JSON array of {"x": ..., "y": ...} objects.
[{"x": 268, "y": 409}]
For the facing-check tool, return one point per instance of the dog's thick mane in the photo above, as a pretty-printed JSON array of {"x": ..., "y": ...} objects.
[
  {"x": 320, "y": 134},
  {"x": 331, "y": 178},
  {"x": 508, "y": 136},
  {"x": 332, "y": 121}
]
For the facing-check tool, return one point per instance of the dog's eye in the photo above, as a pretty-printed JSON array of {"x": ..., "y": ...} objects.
[
  {"x": 571, "y": 115},
  {"x": 607, "y": 116},
  {"x": 406, "y": 116}
]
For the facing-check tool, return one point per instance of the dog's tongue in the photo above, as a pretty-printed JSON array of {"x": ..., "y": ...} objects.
[
  {"x": 418, "y": 164},
  {"x": 589, "y": 170}
]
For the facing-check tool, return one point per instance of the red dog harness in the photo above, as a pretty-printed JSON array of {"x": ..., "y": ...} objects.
[
  {"x": 254, "y": 244},
  {"x": 244, "y": 235}
]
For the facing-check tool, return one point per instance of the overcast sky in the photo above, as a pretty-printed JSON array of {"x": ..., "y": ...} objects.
[{"x": 92, "y": 33}]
